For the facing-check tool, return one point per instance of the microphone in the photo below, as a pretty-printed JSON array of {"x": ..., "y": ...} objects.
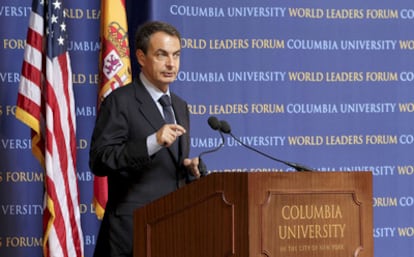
[
  {"x": 225, "y": 128},
  {"x": 214, "y": 124}
]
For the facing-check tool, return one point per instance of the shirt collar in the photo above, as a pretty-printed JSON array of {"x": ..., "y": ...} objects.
[{"x": 152, "y": 90}]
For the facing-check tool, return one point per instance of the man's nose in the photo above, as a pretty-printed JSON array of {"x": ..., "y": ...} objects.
[{"x": 170, "y": 60}]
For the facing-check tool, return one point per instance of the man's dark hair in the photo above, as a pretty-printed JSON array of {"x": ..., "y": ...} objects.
[{"x": 145, "y": 31}]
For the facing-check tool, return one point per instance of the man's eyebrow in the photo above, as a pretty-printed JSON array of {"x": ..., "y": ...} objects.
[
  {"x": 165, "y": 51},
  {"x": 160, "y": 50}
]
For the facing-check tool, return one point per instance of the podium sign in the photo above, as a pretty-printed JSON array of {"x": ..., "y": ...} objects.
[
  {"x": 290, "y": 214},
  {"x": 319, "y": 224}
]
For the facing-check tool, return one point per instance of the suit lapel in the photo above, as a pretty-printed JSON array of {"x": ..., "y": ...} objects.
[
  {"x": 151, "y": 113},
  {"x": 147, "y": 106}
]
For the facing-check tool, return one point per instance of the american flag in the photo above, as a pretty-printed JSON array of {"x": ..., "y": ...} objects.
[{"x": 45, "y": 103}]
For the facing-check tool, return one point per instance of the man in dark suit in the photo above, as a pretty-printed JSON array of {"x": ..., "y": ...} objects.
[{"x": 143, "y": 155}]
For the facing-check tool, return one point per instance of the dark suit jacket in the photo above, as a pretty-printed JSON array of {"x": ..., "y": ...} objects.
[{"x": 118, "y": 150}]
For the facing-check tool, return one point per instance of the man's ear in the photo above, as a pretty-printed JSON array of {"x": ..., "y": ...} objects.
[{"x": 140, "y": 56}]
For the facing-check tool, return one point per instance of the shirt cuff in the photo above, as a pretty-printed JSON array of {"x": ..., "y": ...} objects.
[{"x": 152, "y": 144}]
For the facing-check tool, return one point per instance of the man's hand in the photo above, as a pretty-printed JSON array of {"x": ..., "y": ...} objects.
[
  {"x": 168, "y": 133},
  {"x": 192, "y": 166}
]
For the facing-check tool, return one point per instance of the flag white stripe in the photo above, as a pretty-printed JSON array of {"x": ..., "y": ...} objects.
[
  {"x": 31, "y": 91},
  {"x": 54, "y": 246},
  {"x": 33, "y": 56},
  {"x": 36, "y": 23}
]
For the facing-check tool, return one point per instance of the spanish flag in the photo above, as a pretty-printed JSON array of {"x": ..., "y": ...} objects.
[{"x": 114, "y": 72}]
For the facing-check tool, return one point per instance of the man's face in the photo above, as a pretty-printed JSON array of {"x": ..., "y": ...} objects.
[{"x": 161, "y": 63}]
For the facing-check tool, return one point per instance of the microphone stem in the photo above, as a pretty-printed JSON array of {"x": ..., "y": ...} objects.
[
  {"x": 297, "y": 167},
  {"x": 202, "y": 166},
  {"x": 216, "y": 148}
]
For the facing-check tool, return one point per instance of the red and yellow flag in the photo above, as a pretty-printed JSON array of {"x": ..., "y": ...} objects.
[{"x": 114, "y": 72}]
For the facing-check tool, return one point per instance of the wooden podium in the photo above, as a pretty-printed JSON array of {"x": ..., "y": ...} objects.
[{"x": 283, "y": 214}]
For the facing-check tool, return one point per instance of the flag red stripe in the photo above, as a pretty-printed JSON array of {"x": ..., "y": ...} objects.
[
  {"x": 31, "y": 73},
  {"x": 63, "y": 62},
  {"x": 58, "y": 222},
  {"x": 28, "y": 105},
  {"x": 34, "y": 39}
]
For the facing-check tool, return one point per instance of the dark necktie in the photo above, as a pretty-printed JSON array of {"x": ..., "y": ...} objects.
[{"x": 165, "y": 101}]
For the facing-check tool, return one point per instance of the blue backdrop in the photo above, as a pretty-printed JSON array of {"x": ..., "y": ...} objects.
[{"x": 327, "y": 84}]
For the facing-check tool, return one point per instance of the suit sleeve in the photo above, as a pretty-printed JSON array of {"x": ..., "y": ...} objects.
[{"x": 112, "y": 150}]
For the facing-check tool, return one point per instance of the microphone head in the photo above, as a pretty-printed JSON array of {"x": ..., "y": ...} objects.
[
  {"x": 214, "y": 123},
  {"x": 225, "y": 127}
]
